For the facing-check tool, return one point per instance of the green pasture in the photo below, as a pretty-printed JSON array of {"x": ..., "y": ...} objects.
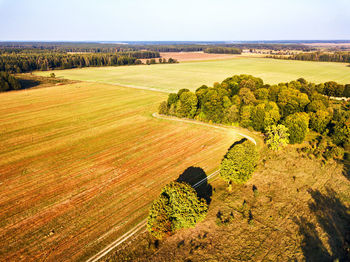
[{"x": 191, "y": 75}]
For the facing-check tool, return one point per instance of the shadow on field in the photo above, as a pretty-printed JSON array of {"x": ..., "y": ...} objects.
[
  {"x": 28, "y": 83},
  {"x": 237, "y": 143},
  {"x": 333, "y": 217},
  {"x": 194, "y": 175},
  {"x": 346, "y": 169}
]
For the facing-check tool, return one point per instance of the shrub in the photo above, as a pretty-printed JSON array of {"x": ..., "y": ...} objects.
[
  {"x": 177, "y": 207},
  {"x": 239, "y": 162}
]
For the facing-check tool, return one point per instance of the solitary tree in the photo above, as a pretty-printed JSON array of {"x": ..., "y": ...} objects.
[
  {"x": 239, "y": 162},
  {"x": 178, "y": 206}
]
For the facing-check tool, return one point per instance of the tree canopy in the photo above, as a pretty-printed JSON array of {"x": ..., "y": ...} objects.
[
  {"x": 239, "y": 162},
  {"x": 178, "y": 206}
]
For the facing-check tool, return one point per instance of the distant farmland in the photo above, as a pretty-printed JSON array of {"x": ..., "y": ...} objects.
[
  {"x": 191, "y": 75},
  {"x": 80, "y": 164}
]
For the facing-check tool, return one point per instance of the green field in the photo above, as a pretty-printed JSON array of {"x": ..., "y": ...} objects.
[{"x": 191, "y": 75}]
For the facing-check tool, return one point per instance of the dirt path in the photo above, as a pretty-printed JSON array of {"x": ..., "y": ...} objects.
[
  {"x": 203, "y": 124},
  {"x": 136, "y": 229}
]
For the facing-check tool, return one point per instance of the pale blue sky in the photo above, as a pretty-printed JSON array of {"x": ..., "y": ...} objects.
[{"x": 191, "y": 20}]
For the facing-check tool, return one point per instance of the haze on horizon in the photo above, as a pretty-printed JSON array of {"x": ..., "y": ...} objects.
[{"x": 182, "y": 20}]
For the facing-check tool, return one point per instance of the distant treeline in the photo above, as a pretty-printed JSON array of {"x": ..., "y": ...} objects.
[
  {"x": 223, "y": 50},
  {"x": 8, "y": 82},
  {"x": 35, "y": 47},
  {"x": 26, "y": 62},
  {"x": 195, "y": 48},
  {"x": 343, "y": 57}
]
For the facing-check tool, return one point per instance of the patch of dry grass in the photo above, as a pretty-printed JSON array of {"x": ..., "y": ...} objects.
[{"x": 300, "y": 211}]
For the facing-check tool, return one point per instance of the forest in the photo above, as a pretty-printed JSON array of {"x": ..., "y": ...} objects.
[
  {"x": 343, "y": 57},
  {"x": 21, "y": 62},
  {"x": 8, "y": 82},
  {"x": 290, "y": 109},
  {"x": 223, "y": 50}
]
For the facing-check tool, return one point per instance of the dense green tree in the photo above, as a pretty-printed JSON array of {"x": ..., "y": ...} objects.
[
  {"x": 262, "y": 94},
  {"x": 319, "y": 120},
  {"x": 277, "y": 136},
  {"x": 247, "y": 96},
  {"x": 333, "y": 89},
  {"x": 163, "y": 108},
  {"x": 316, "y": 105},
  {"x": 8, "y": 82},
  {"x": 186, "y": 106},
  {"x": 239, "y": 162},
  {"x": 346, "y": 92},
  {"x": 246, "y": 113},
  {"x": 340, "y": 132},
  {"x": 231, "y": 115},
  {"x": 297, "y": 125},
  {"x": 291, "y": 101},
  {"x": 264, "y": 114},
  {"x": 214, "y": 103},
  {"x": 177, "y": 207},
  {"x": 172, "y": 99}
]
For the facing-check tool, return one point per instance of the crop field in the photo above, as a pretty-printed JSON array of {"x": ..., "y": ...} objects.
[
  {"x": 195, "y": 56},
  {"x": 80, "y": 164},
  {"x": 191, "y": 75}
]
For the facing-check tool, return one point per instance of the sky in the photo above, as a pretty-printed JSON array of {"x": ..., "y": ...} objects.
[{"x": 177, "y": 20}]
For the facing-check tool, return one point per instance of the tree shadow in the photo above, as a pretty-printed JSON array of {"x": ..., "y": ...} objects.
[
  {"x": 333, "y": 217},
  {"x": 197, "y": 178},
  {"x": 346, "y": 166},
  {"x": 28, "y": 83},
  {"x": 237, "y": 143}
]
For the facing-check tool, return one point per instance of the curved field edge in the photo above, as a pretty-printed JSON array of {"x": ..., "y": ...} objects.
[
  {"x": 191, "y": 75},
  {"x": 80, "y": 164}
]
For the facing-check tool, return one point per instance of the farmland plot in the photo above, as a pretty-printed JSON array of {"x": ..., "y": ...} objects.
[
  {"x": 81, "y": 163},
  {"x": 191, "y": 75}
]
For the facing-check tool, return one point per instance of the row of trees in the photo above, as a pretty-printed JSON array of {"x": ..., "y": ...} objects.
[
  {"x": 343, "y": 57},
  {"x": 18, "y": 63},
  {"x": 8, "y": 82},
  {"x": 179, "y": 205},
  {"x": 246, "y": 100},
  {"x": 161, "y": 61},
  {"x": 223, "y": 50}
]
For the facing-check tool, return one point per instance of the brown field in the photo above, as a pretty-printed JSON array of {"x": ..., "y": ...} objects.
[
  {"x": 80, "y": 164},
  {"x": 195, "y": 56},
  {"x": 300, "y": 213}
]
